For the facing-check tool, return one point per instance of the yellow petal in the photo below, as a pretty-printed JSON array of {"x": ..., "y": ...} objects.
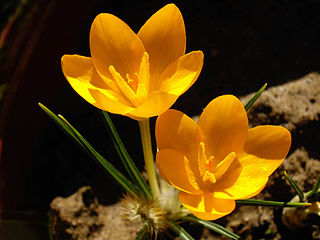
[
  {"x": 175, "y": 169},
  {"x": 154, "y": 105},
  {"x": 179, "y": 76},
  {"x": 175, "y": 130},
  {"x": 112, "y": 42},
  {"x": 241, "y": 183},
  {"x": 164, "y": 38},
  {"x": 83, "y": 78},
  {"x": 266, "y": 147},
  {"x": 110, "y": 101},
  {"x": 225, "y": 125},
  {"x": 206, "y": 206},
  {"x": 79, "y": 68}
]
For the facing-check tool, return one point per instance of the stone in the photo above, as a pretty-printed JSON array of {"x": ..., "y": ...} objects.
[
  {"x": 292, "y": 104},
  {"x": 81, "y": 217}
]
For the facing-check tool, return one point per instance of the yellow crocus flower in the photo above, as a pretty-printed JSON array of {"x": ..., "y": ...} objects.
[
  {"x": 137, "y": 75},
  {"x": 217, "y": 160}
]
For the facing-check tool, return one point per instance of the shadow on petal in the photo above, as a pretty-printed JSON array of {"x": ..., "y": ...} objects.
[{"x": 206, "y": 206}]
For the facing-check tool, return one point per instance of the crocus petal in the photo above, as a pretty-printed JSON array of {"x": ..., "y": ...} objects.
[
  {"x": 164, "y": 38},
  {"x": 241, "y": 183},
  {"x": 168, "y": 161},
  {"x": 266, "y": 147},
  {"x": 110, "y": 101},
  {"x": 81, "y": 74},
  {"x": 155, "y": 104},
  {"x": 224, "y": 123},
  {"x": 182, "y": 73},
  {"x": 112, "y": 42},
  {"x": 205, "y": 206},
  {"x": 80, "y": 69},
  {"x": 175, "y": 130}
]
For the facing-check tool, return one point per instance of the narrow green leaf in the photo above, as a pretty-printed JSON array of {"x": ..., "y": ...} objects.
[
  {"x": 295, "y": 187},
  {"x": 183, "y": 234},
  {"x": 255, "y": 202},
  {"x": 315, "y": 189},
  {"x": 143, "y": 233},
  {"x": 61, "y": 124},
  {"x": 76, "y": 136},
  {"x": 114, "y": 135},
  {"x": 212, "y": 226},
  {"x": 255, "y": 97},
  {"x": 126, "y": 183},
  {"x": 126, "y": 159}
]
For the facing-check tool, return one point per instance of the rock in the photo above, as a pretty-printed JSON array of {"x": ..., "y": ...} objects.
[
  {"x": 303, "y": 169},
  {"x": 292, "y": 104},
  {"x": 81, "y": 217}
]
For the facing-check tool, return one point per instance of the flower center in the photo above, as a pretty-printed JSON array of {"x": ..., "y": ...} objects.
[
  {"x": 135, "y": 88},
  {"x": 210, "y": 170}
]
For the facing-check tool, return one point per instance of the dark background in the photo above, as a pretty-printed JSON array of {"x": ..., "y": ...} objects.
[{"x": 246, "y": 43}]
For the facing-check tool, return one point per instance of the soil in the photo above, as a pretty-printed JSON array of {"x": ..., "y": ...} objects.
[{"x": 295, "y": 105}]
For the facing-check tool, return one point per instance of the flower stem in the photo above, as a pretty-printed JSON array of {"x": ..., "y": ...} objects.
[{"x": 148, "y": 156}]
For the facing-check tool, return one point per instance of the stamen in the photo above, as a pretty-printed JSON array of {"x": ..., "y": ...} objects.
[
  {"x": 202, "y": 159},
  {"x": 135, "y": 87},
  {"x": 133, "y": 82},
  {"x": 224, "y": 165},
  {"x": 141, "y": 92},
  {"x": 123, "y": 86},
  {"x": 209, "y": 177},
  {"x": 144, "y": 71},
  {"x": 205, "y": 167}
]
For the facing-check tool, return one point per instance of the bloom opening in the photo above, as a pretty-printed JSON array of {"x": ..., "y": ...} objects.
[
  {"x": 137, "y": 75},
  {"x": 217, "y": 160}
]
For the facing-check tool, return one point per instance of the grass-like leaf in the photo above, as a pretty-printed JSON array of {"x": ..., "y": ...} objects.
[
  {"x": 143, "y": 233},
  {"x": 183, "y": 234},
  {"x": 77, "y": 137},
  {"x": 126, "y": 159},
  {"x": 256, "y": 202},
  {"x": 315, "y": 189},
  {"x": 255, "y": 97},
  {"x": 61, "y": 125},
  {"x": 212, "y": 226},
  {"x": 295, "y": 187}
]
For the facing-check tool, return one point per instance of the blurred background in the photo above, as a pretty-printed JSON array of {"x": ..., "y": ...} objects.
[{"x": 246, "y": 43}]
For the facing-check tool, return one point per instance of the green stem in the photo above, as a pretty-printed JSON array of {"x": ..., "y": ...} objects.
[
  {"x": 148, "y": 156},
  {"x": 126, "y": 159}
]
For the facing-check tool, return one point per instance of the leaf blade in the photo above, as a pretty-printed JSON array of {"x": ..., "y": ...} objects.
[
  {"x": 213, "y": 226},
  {"x": 126, "y": 159},
  {"x": 183, "y": 234},
  {"x": 255, "y": 97},
  {"x": 256, "y": 202},
  {"x": 77, "y": 137},
  {"x": 295, "y": 187}
]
